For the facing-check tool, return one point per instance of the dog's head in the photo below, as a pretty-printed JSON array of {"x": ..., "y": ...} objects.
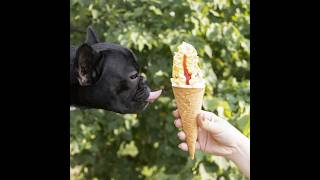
[{"x": 109, "y": 78}]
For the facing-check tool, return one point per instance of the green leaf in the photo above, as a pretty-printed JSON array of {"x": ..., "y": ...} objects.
[
  {"x": 95, "y": 14},
  {"x": 157, "y": 11},
  {"x": 129, "y": 149},
  {"x": 208, "y": 50},
  {"x": 221, "y": 162},
  {"x": 244, "y": 122}
]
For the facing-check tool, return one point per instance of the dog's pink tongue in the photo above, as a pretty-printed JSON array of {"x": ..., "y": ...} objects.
[{"x": 154, "y": 95}]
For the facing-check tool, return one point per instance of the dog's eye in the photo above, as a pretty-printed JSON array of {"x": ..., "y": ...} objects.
[{"x": 134, "y": 76}]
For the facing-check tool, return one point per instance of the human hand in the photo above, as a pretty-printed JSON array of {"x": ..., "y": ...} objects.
[{"x": 217, "y": 136}]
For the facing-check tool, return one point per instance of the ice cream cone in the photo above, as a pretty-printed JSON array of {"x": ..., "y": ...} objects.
[{"x": 189, "y": 103}]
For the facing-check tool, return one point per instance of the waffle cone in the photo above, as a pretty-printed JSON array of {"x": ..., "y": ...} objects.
[{"x": 189, "y": 103}]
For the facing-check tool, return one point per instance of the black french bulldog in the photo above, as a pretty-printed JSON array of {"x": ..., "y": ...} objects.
[{"x": 106, "y": 76}]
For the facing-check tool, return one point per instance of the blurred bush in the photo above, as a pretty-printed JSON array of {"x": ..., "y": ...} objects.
[{"x": 106, "y": 145}]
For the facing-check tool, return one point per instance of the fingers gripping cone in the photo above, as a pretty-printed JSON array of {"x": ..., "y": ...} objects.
[{"x": 189, "y": 103}]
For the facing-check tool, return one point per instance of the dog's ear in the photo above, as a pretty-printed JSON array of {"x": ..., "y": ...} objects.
[
  {"x": 86, "y": 61},
  {"x": 92, "y": 37}
]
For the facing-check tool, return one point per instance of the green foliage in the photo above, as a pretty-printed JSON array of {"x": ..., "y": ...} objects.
[{"x": 106, "y": 145}]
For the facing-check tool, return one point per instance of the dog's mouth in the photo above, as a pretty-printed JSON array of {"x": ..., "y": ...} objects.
[
  {"x": 144, "y": 94},
  {"x": 153, "y": 96},
  {"x": 145, "y": 99}
]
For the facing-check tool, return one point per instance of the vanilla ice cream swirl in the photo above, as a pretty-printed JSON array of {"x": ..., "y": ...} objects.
[{"x": 185, "y": 70}]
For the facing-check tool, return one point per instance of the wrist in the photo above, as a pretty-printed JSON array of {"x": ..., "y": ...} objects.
[
  {"x": 238, "y": 149},
  {"x": 241, "y": 155}
]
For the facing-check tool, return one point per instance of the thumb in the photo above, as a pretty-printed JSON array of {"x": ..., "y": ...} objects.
[{"x": 210, "y": 122}]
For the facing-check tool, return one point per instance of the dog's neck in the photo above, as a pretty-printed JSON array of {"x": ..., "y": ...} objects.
[{"x": 73, "y": 78}]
